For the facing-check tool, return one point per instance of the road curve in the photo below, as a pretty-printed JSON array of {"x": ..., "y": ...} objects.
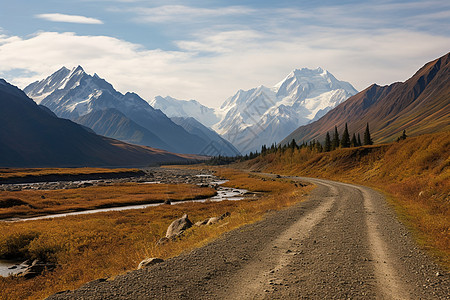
[{"x": 344, "y": 242}]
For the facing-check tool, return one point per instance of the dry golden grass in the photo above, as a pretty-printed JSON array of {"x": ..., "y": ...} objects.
[
  {"x": 24, "y": 172},
  {"x": 58, "y": 201},
  {"x": 414, "y": 173},
  {"x": 94, "y": 246}
]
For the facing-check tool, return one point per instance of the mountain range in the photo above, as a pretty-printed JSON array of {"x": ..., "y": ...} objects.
[
  {"x": 32, "y": 136},
  {"x": 265, "y": 115},
  {"x": 93, "y": 102},
  {"x": 186, "y": 109},
  {"x": 419, "y": 105}
]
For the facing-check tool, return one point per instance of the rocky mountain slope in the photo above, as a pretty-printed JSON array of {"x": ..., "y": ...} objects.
[
  {"x": 186, "y": 108},
  {"x": 31, "y": 136},
  {"x": 73, "y": 94},
  {"x": 218, "y": 145},
  {"x": 419, "y": 105},
  {"x": 266, "y": 115}
]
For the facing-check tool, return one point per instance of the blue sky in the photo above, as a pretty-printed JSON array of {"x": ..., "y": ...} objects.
[{"x": 207, "y": 50}]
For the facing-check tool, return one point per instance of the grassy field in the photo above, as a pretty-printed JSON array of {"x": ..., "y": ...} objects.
[
  {"x": 35, "y": 202},
  {"x": 414, "y": 173},
  {"x": 7, "y": 173},
  {"x": 89, "y": 247}
]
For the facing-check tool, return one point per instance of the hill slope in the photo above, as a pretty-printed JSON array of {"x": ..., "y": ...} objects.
[
  {"x": 74, "y": 94},
  {"x": 33, "y": 137},
  {"x": 217, "y": 146},
  {"x": 419, "y": 105},
  {"x": 114, "y": 124},
  {"x": 415, "y": 171}
]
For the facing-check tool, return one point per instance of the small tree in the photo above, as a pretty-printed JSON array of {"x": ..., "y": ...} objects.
[
  {"x": 359, "y": 140},
  {"x": 327, "y": 144},
  {"x": 402, "y": 137},
  {"x": 367, "y": 138},
  {"x": 293, "y": 144},
  {"x": 354, "y": 142},
  {"x": 335, "y": 143},
  {"x": 345, "y": 141}
]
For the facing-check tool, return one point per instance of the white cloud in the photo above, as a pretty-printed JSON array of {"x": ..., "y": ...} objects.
[
  {"x": 235, "y": 60},
  {"x": 68, "y": 18},
  {"x": 182, "y": 13}
]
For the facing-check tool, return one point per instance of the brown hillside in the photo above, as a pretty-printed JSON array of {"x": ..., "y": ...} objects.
[
  {"x": 414, "y": 172},
  {"x": 419, "y": 105}
]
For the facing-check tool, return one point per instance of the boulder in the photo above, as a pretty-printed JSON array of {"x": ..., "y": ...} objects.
[
  {"x": 201, "y": 223},
  {"x": 213, "y": 220},
  {"x": 178, "y": 226},
  {"x": 149, "y": 262}
]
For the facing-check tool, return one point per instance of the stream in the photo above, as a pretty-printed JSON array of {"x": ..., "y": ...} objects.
[{"x": 223, "y": 193}]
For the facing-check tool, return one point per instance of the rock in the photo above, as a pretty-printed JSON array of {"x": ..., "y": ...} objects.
[
  {"x": 178, "y": 226},
  {"x": 438, "y": 274},
  {"x": 201, "y": 223},
  {"x": 223, "y": 216},
  {"x": 36, "y": 268},
  {"x": 213, "y": 220},
  {"x": 162, "y": 241},
  {"x": 149, "y": 262},
  {"x": 422, "y": 193}
]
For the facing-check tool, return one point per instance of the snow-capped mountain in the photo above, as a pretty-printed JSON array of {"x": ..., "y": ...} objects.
[
  {"x": 218, "y": 145},
  {"x": 266, "y": 115},
  {"x": 78, "y": 96},
  {"x": 186, "y": 108}
]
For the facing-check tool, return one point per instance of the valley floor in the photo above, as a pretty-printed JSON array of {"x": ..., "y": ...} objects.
[{"x": 343, "y": 242}]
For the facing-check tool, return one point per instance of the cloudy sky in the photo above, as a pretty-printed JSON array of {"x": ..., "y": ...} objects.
[{"x": 207, "y": 50}]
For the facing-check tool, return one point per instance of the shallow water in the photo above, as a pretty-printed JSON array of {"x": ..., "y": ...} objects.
[
  {"x": 6, "y": 264},
  {"x": 223, "y": 193}
]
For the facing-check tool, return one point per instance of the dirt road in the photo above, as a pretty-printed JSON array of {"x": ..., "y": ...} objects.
[{"x": 342, "y": 243}]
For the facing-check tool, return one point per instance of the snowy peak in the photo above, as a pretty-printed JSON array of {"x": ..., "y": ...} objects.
[
  {"x": 186, "y": 108},
  {"x": 265, "y": 115}
]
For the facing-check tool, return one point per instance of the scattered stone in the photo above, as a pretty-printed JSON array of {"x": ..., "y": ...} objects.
[
  {"x": 162, "y": 241},
  {"x": 227, "y": 214},
  {"x": 201, "y": 223},
  {"x": 438, "y": 274},
  {"x": 36, "y": 268},
  {"x": 178, "y": 226},
  {"x": 149, "y": 262},
  {"x": 213, "y": 220}
]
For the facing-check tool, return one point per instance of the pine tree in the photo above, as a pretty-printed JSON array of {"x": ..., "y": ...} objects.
[
  {"x": 335, "y": 143},
  {"x": 367, "y": 138},
  {"x": 327, "y": 143},
  {"x": 359, "y": 141},
  {"x": 319, "y": 147},
  {"x": 354, "y": 142},
  {"x": 345, "y": 141},
  {"x": 293, "y": 144}
]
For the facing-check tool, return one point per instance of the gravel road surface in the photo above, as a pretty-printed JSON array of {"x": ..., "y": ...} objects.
[{"x": 344, "y": 242}]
